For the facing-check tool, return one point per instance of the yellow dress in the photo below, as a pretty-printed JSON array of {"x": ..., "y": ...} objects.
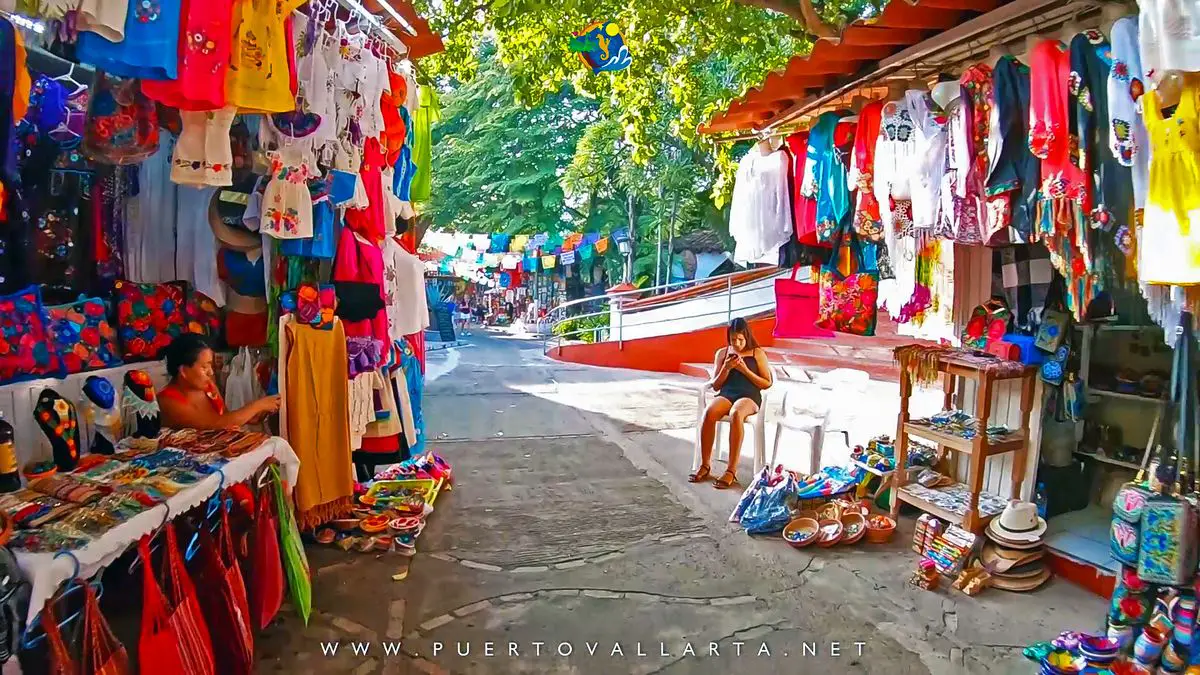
[
  {"x": 260, "y": 71},
  {"x": 1169, "y": 240}
]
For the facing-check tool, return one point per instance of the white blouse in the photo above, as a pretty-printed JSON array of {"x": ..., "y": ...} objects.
[
  {"x": 895, "y": 158},
  {"x": 927, "y": 173},
  {"x": 1170, "y": 34},
  {"x": 1128, "y": 138},
  {"x": 760, "y": 214}
]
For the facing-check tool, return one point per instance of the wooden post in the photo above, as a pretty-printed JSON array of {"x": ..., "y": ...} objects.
[
  {"x": 1028, "y": 386},
  {"x": 900, "y": 473},
  {"x": 983, "y": 407}
]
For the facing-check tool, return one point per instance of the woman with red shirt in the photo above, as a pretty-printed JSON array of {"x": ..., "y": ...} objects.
[{"x": 191, "y": 399}]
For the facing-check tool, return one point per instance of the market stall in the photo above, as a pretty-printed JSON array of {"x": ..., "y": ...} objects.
[{"x": 248, "y": 172}]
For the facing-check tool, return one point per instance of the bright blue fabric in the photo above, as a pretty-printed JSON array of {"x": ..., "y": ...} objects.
[
  {"x": 150, "y": 50},
  {"x": 245, "y": 277},
  {"x": 323, "y": 243}
]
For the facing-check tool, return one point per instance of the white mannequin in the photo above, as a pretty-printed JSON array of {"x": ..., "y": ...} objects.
[{"x": 946, "y": 93}]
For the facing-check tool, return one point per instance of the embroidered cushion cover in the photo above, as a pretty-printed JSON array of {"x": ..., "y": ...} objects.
[
  {"x": 149, "y": 316},
  {"x": 25, "y": 349},
  {"x": 82, "y": 335}
]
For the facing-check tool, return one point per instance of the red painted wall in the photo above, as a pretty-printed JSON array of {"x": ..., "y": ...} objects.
[{"x": 664, "y": 353}]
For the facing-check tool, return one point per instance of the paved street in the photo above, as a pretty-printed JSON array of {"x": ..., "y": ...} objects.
[{"x": 572, "y": 543}]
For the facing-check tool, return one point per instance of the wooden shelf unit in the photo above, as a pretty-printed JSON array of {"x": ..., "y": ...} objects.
[{"x": 978, "y": 449}]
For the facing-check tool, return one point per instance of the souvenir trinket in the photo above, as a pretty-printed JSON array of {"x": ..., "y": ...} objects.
[{"x": 56, "y": 417}]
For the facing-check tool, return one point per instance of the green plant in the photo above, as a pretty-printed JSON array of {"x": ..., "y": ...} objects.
[{"x": 583, "y": 329}]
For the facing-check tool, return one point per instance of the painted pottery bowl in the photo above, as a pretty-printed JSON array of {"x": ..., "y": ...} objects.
[
  {"x": 801, "y": 532},
  {"x": 880, "y": 529},
  {"x": 831, "y": 533},
  {"x": 1061, "y": 662},
  {"x": 1099, "y": 649},
  {"x": 855, "y": 526}
]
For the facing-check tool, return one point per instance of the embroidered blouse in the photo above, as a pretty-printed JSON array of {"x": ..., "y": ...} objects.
[
  {"x": 867, "y": 220},
  {"x": 827, "y": 180},
  {"x": 930, "y": 127},
  {"x": 150, "y": 48},
  {"x": 804, "y": 208},
  {"x": 1013, "y": 172},
  {"x": 895, "y": 159}
]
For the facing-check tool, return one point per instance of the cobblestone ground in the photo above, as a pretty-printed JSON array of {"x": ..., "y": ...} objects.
[{"x": 573, "y": 544}]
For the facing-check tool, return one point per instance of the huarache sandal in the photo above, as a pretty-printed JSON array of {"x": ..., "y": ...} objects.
[
  {"x": 702, "y": 474},
  {"x": 726, "y": 481}
]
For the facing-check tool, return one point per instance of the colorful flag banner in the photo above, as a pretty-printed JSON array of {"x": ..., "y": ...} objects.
[
  {"x": 567, "y": 257},
  {"x": 586, "y": 251},
  {"x": 602, "y": 245},
  {"x": 548, "y": 261}
]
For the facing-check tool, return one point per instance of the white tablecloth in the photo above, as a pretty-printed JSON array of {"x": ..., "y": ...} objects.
[{"x": 46, "y": 573}]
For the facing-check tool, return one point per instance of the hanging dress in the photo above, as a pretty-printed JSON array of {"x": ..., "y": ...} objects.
[
  {"x": 261, "y": 73},
  {"x": 203, "y": 153},
  {"x": 1169, "y": 246},
  {"x": 203, "y": 59},
  {"x": 1014, "y": 173},
  {"x": 896, "y": 161}
]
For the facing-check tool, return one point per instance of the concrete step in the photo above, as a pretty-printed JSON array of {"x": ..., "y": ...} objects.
[{"x": 877, "y": 368}]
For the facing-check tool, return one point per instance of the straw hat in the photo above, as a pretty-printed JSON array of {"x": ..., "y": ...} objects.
[
  {"x": 1000, "y": 560},
  {"x": 1018, "y": 524},
  {"x": 242, "y": 304},
  {"x": 225, "y": 213},
  {"x": 1021, "y": 585}
]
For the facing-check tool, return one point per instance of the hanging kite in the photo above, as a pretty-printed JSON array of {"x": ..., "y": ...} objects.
[{"x": 601, "y": 47}]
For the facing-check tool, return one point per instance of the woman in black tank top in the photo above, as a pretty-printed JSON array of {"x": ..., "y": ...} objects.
[{"x": 740, "y": 374}]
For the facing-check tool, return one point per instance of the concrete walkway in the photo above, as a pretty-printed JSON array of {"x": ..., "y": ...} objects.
[{"x": 573, "y": 543}]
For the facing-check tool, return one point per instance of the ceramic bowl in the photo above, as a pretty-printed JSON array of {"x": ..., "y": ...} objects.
[
  {"x": 801, "y": 532},
  {"x": 854, "y": 526},
  {"x": 1098, "y": 649},
  {"x": 831, "y": 533},
  {"x": 881, "y": 535}
]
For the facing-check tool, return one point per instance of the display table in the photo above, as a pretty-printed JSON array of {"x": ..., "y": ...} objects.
[
  {"x": 965, "y": 504},
  {"x": 46, "y": 573}
]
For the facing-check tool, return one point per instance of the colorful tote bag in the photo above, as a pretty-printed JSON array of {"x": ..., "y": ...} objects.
[
  {"x": 26, "y": 350},
  {"x": 122, "y": 123},
  {"x": 847, "y": 295}
]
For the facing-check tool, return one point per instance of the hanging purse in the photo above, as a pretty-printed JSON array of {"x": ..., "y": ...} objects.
[
  {"x": 122, "y": 124},
  {"x": 847, "y": 300},
  {"x": 226, "y": 609},
  {"x": 1132, "y": 497},
  {"x": 174, "y": 636},
  {"x": 987, "y": 325},
  {"x": 1167, "y": 548},
  {"x": 1056, "y": 321},
  {"x": 265, "y": 592}
]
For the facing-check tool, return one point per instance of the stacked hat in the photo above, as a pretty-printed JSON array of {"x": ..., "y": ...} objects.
[{"x": 1013, "y": 554}]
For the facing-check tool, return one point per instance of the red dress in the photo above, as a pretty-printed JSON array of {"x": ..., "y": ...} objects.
[{"x": 804, "y": 210}]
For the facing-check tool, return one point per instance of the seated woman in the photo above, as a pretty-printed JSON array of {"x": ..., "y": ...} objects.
[
  {"x": 191, "y": 399},
  {"x": 740, "y": 374}
]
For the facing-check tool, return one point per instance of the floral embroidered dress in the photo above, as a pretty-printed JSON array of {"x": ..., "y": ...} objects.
[
  {"x": 150, "y": 48},
  {"x": 867, "y": 221},
  {"x": 825, "y": 176},
  {"x": 976, "y": 82},
  {"x": 1013, "y": 172},
  {"x": 1128, "y": 138},
  {"x": 260, "y": 71},
  {"x": 1065, "y": 198},
  {"x": 1169, "y": 246},
  {"x": 203, "y": 59},
  {"x": 287, "y": 204},
  {"x": 1170, "y": 35}
]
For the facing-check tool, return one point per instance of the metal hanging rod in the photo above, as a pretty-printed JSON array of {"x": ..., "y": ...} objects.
[{"x": 377, "y": 25}]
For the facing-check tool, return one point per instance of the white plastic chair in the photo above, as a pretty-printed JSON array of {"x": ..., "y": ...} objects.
[
  {"x": 844, "y": 389},
  {"x": 802, "y": 420},
  {"x": 757, "y": 421}
]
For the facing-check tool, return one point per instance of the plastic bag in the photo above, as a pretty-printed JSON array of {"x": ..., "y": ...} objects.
[
  {"x": 770, "y": 510},
  {"x": 295, "y": 562},
  {"x": 756, "y": 486}
]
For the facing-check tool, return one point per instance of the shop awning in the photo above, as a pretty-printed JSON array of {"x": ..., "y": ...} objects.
[
  {"x": 408, "y": 25},
  {"x": 910, "y": 38}
]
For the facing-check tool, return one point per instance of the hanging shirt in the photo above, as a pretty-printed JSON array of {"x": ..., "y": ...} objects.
[
  {"x": 827, "y": 182},
  {"x": 1014, "y": 173},
  {"x": 895, "y": 161},
  {"x": 150, "y": 220},
  {"x": 930, "y": 127},
  {"x": 1170, "y": 35},
  {"x": 976, "y": 82},
  {"x": 760, "y": 218},
  {"x": 404, "y": 286},
  {"x": 804, "y": 209},
  {"x": 105, "y": 18},
  {"x": 203, "y": 60},
  {"x": 422, "y": 152},
  {"x": 867, "y": 220},
  {"x": 261, "y": 73},
  {"x": 196, "y": 249},
  {"x": 1111, "y": 182},
  {"x": 1128, "y": 138},
  {"x": 150, "y": 48}
]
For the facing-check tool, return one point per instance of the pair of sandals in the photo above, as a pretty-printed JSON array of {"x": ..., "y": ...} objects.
[{"x": 704, "y": 473}]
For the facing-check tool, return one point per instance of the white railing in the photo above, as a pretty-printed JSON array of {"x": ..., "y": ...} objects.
[{"x": 603, "y": 318}]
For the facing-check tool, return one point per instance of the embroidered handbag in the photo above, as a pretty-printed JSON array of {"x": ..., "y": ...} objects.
[
  {"x": 122, "y": 125},
  {"x": 1052, "y": 330},
  {"x": 174, "y": 636},
  {"x": 1167, "y": 550},
  {"x": 847, "y": 300},
  {"x": 1132, "y": 497},
  {"x": 988, "y": 324},
  {"x": 102, "y": 654}
]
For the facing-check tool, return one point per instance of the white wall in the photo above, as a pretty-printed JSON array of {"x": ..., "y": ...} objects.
[{"x": 695, "y": 313}]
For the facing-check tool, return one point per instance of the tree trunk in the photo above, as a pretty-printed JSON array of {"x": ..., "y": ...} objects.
[{"x": 800, "y": 10}]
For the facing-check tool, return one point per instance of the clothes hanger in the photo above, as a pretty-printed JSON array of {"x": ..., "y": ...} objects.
[
  {"x": 213, "y": 507},
  {"x": 156, "y": 545},
  {"x": 33, "y": 637}
]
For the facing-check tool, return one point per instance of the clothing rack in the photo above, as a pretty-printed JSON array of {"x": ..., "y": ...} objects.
[{"x": 376, "y": 25}]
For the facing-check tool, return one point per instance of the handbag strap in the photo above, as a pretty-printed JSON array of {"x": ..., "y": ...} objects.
[{"x": 102, "y": 652}]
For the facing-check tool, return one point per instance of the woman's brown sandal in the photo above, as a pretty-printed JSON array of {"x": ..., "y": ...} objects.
[
  {"x": 702, "y": 474},
  {"x": 727, "y": 480}
]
